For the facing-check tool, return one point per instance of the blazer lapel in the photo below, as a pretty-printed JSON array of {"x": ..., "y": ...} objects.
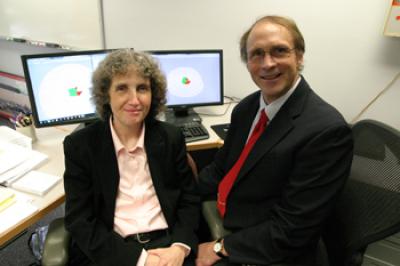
[
  {"x": 274, "y": 132},
  {"x": 155, "y": 150},
  {"x": 243, "y": 129},
  {"x": 107, "y": 165},
  {"x": 280, "y": 125}
]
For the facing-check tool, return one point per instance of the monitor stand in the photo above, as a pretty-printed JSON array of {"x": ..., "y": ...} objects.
[
  {"x": 82, "y": 125},
  {"x": 179, "y": 116}
]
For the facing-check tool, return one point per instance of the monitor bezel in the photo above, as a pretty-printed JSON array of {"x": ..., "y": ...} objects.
[
  {"x": 36, "y": 119},
  {"x": 200, "y": 51}
]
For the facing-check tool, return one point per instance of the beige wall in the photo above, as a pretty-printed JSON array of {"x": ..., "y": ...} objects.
[{"x": 347, "y": 61}]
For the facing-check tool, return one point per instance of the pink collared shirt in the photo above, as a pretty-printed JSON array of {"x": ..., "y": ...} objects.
[{"x": 137, "y": 208}]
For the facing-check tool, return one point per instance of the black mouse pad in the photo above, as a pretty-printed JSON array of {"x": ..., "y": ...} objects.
[{"x": 221, "y": 130}]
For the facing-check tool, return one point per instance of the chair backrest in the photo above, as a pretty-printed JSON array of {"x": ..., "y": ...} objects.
[{"x": 368, "y": 209}]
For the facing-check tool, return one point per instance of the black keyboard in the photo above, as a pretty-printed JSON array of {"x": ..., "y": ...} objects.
[{"x": 193, "y": 131}]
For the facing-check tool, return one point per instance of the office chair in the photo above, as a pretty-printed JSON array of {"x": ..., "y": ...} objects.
[
  {"x": 368, "y": 209},
  {"x": 55, "y": 251}
]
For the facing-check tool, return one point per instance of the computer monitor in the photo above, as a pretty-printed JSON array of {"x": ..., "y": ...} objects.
[
  {"x": 194, "y": 78},
  {"x": 59, "y": 86}
]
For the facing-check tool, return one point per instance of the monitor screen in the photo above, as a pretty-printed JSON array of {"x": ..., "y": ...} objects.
[
  {"x": 194, "y": 77},
  {"x": 59, "y": 86}
]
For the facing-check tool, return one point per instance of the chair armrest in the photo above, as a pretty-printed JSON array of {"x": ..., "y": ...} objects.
[
  {"x": 55, "y": 250},
  {"x": 213, "y": 219}
]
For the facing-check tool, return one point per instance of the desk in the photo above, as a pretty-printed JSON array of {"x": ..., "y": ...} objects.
[
  {"x": 211, "y": 115},
  {"x": 50, "y": 142}
]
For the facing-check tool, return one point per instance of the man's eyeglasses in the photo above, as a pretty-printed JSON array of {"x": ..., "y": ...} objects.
[{"x": 278, "y": 52}]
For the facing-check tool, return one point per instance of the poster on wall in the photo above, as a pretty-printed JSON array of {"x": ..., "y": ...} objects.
[{"x": 392, "y": 27}]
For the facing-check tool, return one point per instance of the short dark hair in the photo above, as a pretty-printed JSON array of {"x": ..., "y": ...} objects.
[
  {"x": 120, "y": 62},
  {"x": 288, "y": 23}
]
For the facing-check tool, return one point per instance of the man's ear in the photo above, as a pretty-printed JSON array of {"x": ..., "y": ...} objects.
[
  {"x": 300, "y": 61},
  {"x": 247, "y": 66},
  {"x": 300, "y": 58}
]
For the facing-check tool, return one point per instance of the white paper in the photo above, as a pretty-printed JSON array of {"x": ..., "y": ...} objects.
[
  {"x": 17, "y": 212},
  {"x": 34, "y": 159},
  {"x": 5, "y": 193},
  {"x": 36, "y": 182},
  {"x": 11, "y": 155},
  {"x": 12, "y": 136}
]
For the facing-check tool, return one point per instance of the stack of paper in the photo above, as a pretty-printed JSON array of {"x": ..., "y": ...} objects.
[
  {"x": 11, "y": 155},
  {"x": 7, "y": 198},
  {"x": 15, "y": 161},
  {"x": 17, "y": 212},
  {"x": 12, "y": 136},
  {"x": 35, "y": 182}
]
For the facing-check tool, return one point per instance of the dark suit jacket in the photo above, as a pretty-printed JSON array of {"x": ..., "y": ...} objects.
[
  {"x": 91, "y": 181},
  {"x": 289, "y": 182}
]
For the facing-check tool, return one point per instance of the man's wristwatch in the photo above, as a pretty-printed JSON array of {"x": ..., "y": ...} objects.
[{"x": 218, "y": 247}]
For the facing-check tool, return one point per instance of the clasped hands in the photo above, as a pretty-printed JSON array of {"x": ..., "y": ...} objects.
[{"x": 171, "y": 256}]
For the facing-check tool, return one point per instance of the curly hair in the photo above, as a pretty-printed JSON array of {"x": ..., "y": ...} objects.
[
  {"x": 288, "y": 23},
  {"x": 120, "y": 62}
]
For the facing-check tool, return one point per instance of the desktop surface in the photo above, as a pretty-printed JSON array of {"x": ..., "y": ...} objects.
[{"x": 49, "y": 142}]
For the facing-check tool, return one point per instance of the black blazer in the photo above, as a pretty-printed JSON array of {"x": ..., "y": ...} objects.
[
  {"x": 289, "y": 182},
  {"x": 91, "y": 181}
]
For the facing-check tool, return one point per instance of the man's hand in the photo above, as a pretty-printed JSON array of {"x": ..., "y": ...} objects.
[
  {"x": 172, "y": 256},
  {"x": 206, "y": 255}
]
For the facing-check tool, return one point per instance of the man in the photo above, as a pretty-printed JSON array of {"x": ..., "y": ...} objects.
[
  {"x": 275, "y": 189},
  {"x": 130, "y": 194}
]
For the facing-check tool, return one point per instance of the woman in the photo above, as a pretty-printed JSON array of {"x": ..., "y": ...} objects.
[{"x": 130, "y": 194}]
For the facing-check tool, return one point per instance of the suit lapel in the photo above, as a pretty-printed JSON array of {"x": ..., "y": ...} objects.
[
  {"x": 108, "y": 165},
  {"x": 276, "y": 130},
  {"x": 243, "y": 127},
  {"x": 155, "y": 150}
]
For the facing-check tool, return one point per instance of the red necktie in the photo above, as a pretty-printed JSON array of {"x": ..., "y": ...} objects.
[{"x": 227, "y": 182}]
